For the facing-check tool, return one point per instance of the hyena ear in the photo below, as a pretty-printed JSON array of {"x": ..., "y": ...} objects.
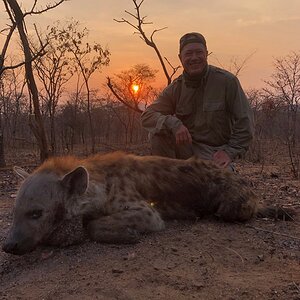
[
  {"x": 76, "y": 182},
  {"x": 21, "y": 172}
]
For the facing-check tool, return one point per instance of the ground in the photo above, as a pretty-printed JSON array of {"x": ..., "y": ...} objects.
[{"x": 203, "y": 259}]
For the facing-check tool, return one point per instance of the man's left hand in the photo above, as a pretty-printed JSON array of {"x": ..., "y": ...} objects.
[{"x": 221, "y": 159}]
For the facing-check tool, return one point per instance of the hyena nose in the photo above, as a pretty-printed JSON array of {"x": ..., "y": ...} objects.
[{"x": 10, "y": 247}]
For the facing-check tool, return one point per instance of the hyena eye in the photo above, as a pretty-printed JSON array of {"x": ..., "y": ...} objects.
[{"x": 35, "y": 214}]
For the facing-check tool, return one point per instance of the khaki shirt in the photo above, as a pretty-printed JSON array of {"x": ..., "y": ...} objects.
[{"x": 217, "y": 114}]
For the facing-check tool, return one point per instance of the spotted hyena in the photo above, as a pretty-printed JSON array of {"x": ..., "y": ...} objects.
[{"x": 118, "y": 196}]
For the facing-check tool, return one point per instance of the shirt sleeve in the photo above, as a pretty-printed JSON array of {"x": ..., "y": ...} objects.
[
  {"x": 242, "y": 119},
  {"x": 159, "y": 116}
]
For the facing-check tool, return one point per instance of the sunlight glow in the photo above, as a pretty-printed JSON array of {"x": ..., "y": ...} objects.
[{"x": 135, "y": 88}]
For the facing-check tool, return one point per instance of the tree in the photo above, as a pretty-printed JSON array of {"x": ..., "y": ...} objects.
[
  {"x": 265, "y": 115},
  {"x": 140, "y": 22},
  {"x": 17, "y": 18},
  {"x": 236, "y": 65},
  {"x": 2, "y": 156},
  {"x": 133, "y": 87},
  {"x": 284, "y": 89},
  {"x": 12, "y": 101},
  {"x": 88, "y": 58},
  {"x": 54, "y": 70},
  {"x": 73, "y": 121}
]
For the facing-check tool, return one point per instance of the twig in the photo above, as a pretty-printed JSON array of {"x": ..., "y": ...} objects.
[
  {"x": 48, "y": 7},
  {"x": 229, "y": 249},
  {"x": 156, "y": 30},
  {"x": 175, "y": 69},
  {"x": 274, "y": 232},
  {"x": 297, "y": 287},
  {"x": 235, "y": 252}
]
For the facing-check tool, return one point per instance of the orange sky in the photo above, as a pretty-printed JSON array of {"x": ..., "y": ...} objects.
[{"x": 233, "y": 28}]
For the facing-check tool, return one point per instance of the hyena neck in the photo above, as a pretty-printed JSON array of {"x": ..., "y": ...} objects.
[{"x": 92, "y": 200}]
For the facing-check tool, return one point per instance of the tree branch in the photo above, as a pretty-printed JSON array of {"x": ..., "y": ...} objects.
[
  {"x": 175, "y": 69},
  {"x": 110, "y": 86},
  {"x": 5, "y": 47},
  {"x": 48, "y": 7},
  {"x": 148, "y": 40}
]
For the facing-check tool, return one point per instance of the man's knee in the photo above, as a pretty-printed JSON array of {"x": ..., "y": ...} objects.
[{"x": 165, "y": 145}]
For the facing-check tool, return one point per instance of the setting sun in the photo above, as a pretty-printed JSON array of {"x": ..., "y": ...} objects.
[{"x": 135, "y": 88}]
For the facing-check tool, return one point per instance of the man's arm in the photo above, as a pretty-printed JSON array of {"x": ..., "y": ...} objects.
[{"x": 159, "y": 116}]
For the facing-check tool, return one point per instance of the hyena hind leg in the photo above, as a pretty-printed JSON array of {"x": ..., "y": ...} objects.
[
  {"x": 124, "y": 227},
  {"x": 240, "y": 209}
]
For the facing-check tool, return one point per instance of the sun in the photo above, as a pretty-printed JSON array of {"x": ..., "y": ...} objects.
[{"x": 135, "y": 88}]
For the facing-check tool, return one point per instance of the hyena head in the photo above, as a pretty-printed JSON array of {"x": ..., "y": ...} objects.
[{"x": 41, "y": 206}]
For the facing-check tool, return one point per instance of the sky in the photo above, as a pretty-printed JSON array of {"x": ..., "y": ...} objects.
[{"x": 234, "y": 29}]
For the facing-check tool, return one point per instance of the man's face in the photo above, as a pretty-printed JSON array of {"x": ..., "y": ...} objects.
[{"x": 193, "y": 58}]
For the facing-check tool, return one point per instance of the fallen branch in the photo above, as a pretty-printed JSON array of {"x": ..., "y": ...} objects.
[
  {"x": 235, "y": 252},
  {"x": 297, "y": 287},
  {"x": 274, "y": 232}
]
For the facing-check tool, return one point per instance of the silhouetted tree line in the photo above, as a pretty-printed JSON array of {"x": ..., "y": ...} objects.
[{"x": 115, "y": 126}]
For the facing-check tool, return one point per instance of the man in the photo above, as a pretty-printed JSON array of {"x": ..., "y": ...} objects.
[{"x": 204, "y": 112}]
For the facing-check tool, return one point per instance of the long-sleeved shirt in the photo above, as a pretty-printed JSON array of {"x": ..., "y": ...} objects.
[{"x": 216, "y": 113}]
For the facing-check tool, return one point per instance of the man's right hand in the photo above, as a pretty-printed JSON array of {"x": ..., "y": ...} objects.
[{"x": 183, "y": 136}]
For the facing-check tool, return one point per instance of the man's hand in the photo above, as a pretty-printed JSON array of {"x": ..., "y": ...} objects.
[
  {"x": 221, "y": 159},
  {"x": 183, "y": 136}
]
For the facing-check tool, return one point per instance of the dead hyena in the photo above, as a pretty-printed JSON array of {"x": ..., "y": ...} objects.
[{"x": 118, "y": 196}]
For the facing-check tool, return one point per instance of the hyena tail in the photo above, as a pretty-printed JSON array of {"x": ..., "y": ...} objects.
[{"x": 276, "y": 212}]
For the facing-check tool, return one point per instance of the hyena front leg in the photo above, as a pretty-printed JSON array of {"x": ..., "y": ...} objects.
[{"x": 124, "y": 226}]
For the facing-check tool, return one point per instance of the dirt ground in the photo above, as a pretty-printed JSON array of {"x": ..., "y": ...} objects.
[{"x": 206, "y": 259}]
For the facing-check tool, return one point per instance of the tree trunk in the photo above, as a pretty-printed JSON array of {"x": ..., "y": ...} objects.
[
  {"x": 92, "y": 132},
  {"x": 36, "y": 125},
  {"x": 2, "y": 156}
]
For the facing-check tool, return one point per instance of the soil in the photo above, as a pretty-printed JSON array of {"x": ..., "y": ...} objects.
[{"x": 203, "y": 259}]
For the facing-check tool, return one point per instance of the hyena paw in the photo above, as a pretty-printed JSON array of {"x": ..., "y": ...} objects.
[{"x": 131, "y": 236}]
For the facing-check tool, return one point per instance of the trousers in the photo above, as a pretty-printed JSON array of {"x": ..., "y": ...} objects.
[{"x": 165, "y": 145}]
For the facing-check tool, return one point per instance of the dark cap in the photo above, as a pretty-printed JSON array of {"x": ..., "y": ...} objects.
[{"x": 191, "y": 37}]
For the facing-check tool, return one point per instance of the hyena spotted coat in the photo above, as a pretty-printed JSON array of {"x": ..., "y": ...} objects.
[{"x": 118, "y": 196}]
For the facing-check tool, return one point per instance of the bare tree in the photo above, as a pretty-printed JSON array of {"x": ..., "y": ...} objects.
[
  {"x": 138, "y": 24},
  {"x": 133, "y": 87},
  {"x": 2, "y": 156},
  {"x": 88, "y": 58},
  {"x": 12, "y": 97},
  {"x": 54, "y": 70},
  {"x": 236, "y": 65},
  {"x": 17, "y": 17},
  {"x": 72, "y": 115},
  {"x": 284, "y": 89}
]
